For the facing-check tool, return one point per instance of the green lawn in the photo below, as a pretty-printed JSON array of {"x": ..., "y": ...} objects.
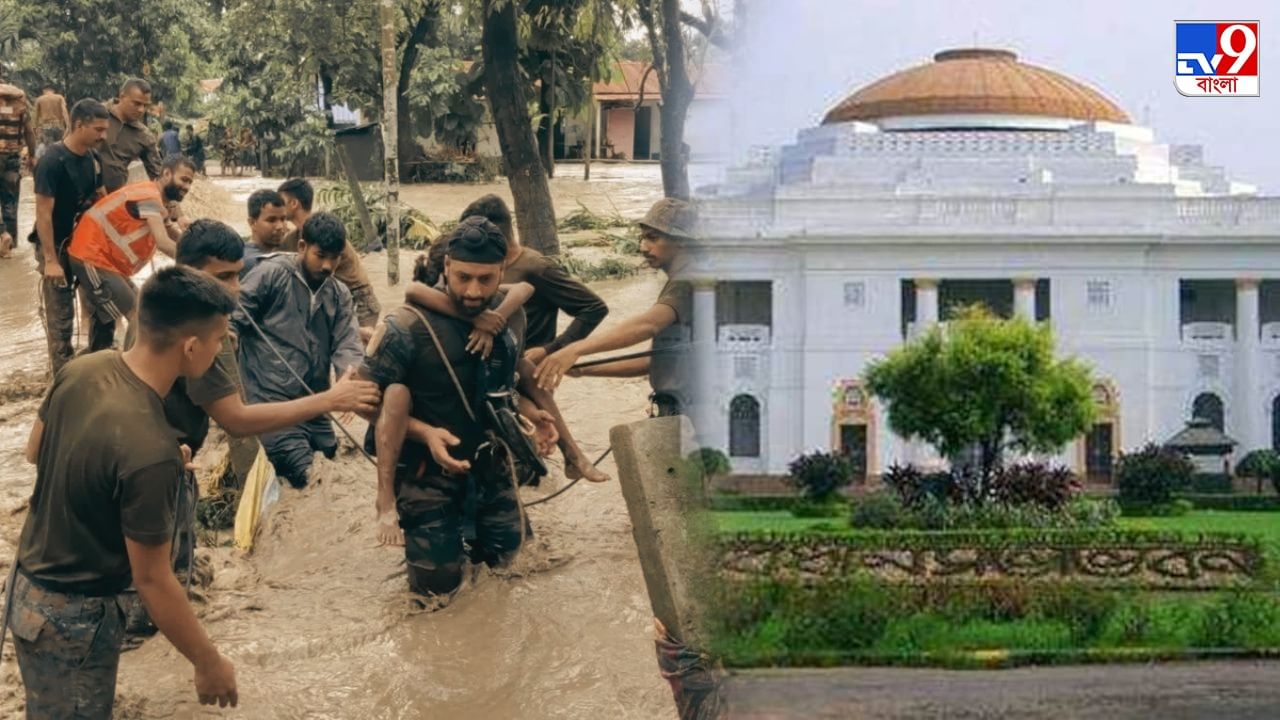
[
  {"x": 1264, "y": 524},
  {"x": 774, "y": 520}
]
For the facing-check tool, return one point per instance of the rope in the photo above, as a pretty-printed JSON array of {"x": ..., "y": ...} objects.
[{"x": 370, "y": 458}]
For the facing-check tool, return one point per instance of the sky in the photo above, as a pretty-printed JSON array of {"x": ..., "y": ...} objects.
[{"x": 800, "y": 57}]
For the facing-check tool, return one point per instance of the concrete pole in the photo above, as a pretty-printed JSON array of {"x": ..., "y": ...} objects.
[
  {"x": 1248, "y": 403},
  {"x": 1024, "y": 298},
  {"x": 390, "y": 70}
]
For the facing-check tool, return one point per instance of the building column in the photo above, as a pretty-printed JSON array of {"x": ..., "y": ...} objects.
[
  {"x": 926, "y": 303},
  {"x": 706, "y": 361},
  {"x": 1246, "y": 411},
  {"x": 1024, "y": 298},
  {"x": 599, "y": 141}
]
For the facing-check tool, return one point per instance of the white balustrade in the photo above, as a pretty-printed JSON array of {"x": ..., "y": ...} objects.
[
  {"x": 744, "y": 337},
  {"x": 1207, "y": 332}
]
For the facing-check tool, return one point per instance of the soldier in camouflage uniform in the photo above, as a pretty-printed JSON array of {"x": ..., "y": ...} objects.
[
  {"x": 436, "y": 458},
  {"x": 16, "y": 132}
]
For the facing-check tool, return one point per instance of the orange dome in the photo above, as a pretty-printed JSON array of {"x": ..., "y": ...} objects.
[{"x": 976, "y": 81}]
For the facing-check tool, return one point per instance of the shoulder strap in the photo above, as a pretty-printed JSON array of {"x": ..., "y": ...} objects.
[{"x": 444, "y": 358}]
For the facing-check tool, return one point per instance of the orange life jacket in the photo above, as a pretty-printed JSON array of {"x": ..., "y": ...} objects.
[
  {"x": 13, "y": 119},
  {"x": 113, "y": 234}
]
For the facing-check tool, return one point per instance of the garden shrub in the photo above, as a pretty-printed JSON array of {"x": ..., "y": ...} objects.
[
  {"x": 1148, "y": 477},
  {"x": 711, "y": 461},
  {"x": 820, "y": 475},
  {"x": 1210, "y": 484},
  {"x": 879, "y": 510},
  {"x": 1241, "y": 620},
  {"x": 828, "y": 508},
  {"x": 915, "y": 488},
  {"x": 1034, "y": 483},
  {"x": 1260, "y": 465}
]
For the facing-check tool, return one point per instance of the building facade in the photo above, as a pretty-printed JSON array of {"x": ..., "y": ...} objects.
[{"x": 981, "y": 179}]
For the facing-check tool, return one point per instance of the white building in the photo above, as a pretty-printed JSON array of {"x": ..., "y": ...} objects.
[{"x": 980, "y": 178}]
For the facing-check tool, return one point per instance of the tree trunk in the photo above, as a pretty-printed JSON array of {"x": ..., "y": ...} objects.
[
  {"x": 423, "y": 29},
  {"x": 391, "y": 170},
  {"x": 535, "y": 214},
  {"x": 677, "y": 95},
  {"x": 551, "y": 118}
]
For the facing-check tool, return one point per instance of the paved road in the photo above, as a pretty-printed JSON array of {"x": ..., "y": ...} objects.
[{"x": 1226, "y": 690}]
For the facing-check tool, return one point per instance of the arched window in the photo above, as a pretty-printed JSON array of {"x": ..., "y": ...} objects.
[
  {"x": 744, "y": 427},
  {"x": 1275, "y": 424},
  {"x": 1208, "y": 406}
]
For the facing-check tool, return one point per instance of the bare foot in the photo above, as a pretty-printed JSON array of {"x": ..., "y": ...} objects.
[
  {"x": 390, "y": 533},
  {"x": 581, "y": 467}
]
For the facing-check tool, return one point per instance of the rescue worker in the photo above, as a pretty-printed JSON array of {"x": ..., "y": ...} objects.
[
  {"x": 431, "y": 382},
  {"x": 291, "y": 307},
  {"x": 116, "y": 238},
  {"x": 554, "y": 290},
  {"x": 68, "y": 180},
  {"x": 298, "y": 197},
  {"x": 267, "y": 228},
  {"x": 102, "y": 510},
  {"x": 16, "y": 132},
  {"x": 664, "y": 233},
  {"x": 128, "y": 138},
  {"x": 51, "y": 117}
]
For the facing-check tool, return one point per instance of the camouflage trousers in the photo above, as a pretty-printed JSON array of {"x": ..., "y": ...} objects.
[
  {"x": 10, "y": 181},
  {"x": 368, "y": 309},
  {"x": 59, "y": 313},
  {"x": 68, "y": 649},
  {"x": 434, "y": 510}
]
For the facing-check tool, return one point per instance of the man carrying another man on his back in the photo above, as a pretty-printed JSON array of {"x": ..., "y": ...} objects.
[
  {"x": 298, "y": 196},
  {"x": 117, "y": 237},
  {"x": 295, "y": 322}
]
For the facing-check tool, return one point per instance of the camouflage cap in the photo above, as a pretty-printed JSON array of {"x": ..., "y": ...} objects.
[{"x": 672, "y": 217}]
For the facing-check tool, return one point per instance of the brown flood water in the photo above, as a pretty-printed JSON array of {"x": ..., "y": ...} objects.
[{"x": 318, "y": 620}]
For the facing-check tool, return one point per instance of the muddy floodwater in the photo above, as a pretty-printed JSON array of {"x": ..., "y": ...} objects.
[{"x": 318, "y": 620}]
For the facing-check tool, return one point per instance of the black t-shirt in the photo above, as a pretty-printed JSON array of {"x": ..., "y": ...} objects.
[
  {"x": 402, "y": 352},
  {"x": 72, "y": 181}
]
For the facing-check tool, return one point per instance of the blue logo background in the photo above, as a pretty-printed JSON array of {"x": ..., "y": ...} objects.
[{"x": 1196, "y": 38}]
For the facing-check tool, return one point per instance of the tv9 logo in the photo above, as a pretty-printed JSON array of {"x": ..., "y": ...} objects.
[{"x": 1216, "y": 58}]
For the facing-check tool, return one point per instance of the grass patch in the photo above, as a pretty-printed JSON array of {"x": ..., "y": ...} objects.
[
  {"x": 584, "y": 219},
  {"x": 1263, "y": 525},
  {"x": 775, "y": 521}
]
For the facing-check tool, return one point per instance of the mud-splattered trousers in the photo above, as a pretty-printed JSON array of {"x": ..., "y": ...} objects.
[
  {"x": 68, "y": 649},
  {"x": 434, "y": 509},
  {"x": 59, "y": 302},
  {"x": 10, "y": 181}
]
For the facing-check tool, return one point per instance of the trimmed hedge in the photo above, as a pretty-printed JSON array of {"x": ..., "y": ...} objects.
[
  {"x": 752, "y": 503},
  {"x": 1237, "y": 503},
  {"x": 929, "y": 539},
  {"x": 1210, "y": 484}
]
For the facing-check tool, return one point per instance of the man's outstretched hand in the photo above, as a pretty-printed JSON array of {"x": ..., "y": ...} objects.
[
  {"x": 351, "y": 394},
  {"x": 552, "y": 370}
]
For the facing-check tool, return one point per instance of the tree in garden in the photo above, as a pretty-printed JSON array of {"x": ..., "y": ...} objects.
[
  {"x": 1260, "y": 465},
  {"x": 819, "y": 476},
  {"x": 985, "y": 382}
]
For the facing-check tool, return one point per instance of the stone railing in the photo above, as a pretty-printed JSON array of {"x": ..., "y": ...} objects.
[
  {"x": 744, "y": 337},
  {"x": 820, "y": 210}
]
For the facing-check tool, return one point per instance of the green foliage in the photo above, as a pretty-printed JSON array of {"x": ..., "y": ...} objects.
[
  {"x": 711, "y": 460},
  {"x": 416, "y": 229},
  {"x": 1148, "y": 477},
  {"x": 606, "y": 269},
  {"x": 1174, "y": 508},
  {"x": 1259, "y": 464},
  {"x": 856, "y": 620},
  {"x": 726, "y": 502},
  {"x": 882, "y": 511},
  {"x": 1233, "y": 503},
  {"x": 1210, "y": 484},
  {"x": 88, "y": 47},
  {"x": 829, "y": 508},
  {"x": 820, "y": 475},
  {"x": 584, "y": 219},
  {"x": 984, "y": 381},
  {"x": 1033, "y": 483}
]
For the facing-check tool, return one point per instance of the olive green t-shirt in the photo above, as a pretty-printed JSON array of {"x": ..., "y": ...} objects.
[
  {"x": 184, "y": 405},
  {"x": 669, "y": 367},
  {"x": 108, "y": 468},
  {"x": 554, "y": 289}
]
